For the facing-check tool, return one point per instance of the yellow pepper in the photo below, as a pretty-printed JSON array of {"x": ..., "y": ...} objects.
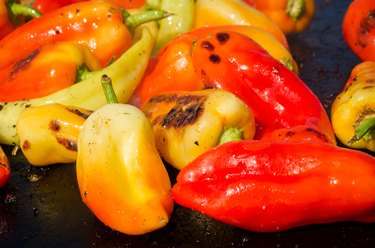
[
  {"x": 292, "y": 16},
  {"x": 353, "y": 110},
  {"x": 120, "y": 174},
  {"x": 186, "y": 124},
  {"x": 224, "y": 12},
  {"x": 48, "y": 133},
  {"x": 126, "y": 72}
]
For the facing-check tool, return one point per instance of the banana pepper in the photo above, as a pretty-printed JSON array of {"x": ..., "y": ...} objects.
[
  {"x": 4, "y": 168},
  {"x": 46, "y": 70},
  {"x": 120, "y": 174},
  {"x": 126, "y": 72},
  {"x": 224, "y": 12},
  {"x": 186, "y": 124},
  {"x": 12, "y": 15},
  {"x": 353, "y": 110},
  {"x": 48, "y": 134},
  {"x": 104, "y": 26},
  {"x": 292, "y": 16}
]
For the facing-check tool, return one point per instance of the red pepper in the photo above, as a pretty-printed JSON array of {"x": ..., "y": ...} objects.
[
  {"x": 12, "y": 15},
  {"x": 284, "y": 107},
  {"x": 273, "y": 186},
  {"x": 46, "y": 6},
  {"x": 101, "y": 25},
  {"x": 4, "y": 168},
  {"x": 358, "y": 28}
]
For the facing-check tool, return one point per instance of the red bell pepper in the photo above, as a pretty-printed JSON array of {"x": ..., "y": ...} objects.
[
  {"x": 358, "y": 28},
  {"x": 101, "y": 25},
  {"x": 274, "y": 186},
  {"x": 284, "y": 107},
  {"x": 4, "y": 168}
]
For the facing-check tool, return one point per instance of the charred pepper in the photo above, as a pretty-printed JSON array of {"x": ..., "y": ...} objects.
[
  {"x": 353, "y": 110},
  {"x": 186, "y": 124},
  {"x": 292, "y": 16},
  {"x": 104, "y": 26},
  {"x": 4, "y": 168},
  {"x": 46, "y": 70},
  {"x": 120, "y": 174},
  {"x": 274, "y": 186},
  {"x": 126, "y": 73},
  {"x": 48, "y": 134}
]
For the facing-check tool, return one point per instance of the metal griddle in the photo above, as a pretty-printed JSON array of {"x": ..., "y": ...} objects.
[{"x": 41, "y": 207}]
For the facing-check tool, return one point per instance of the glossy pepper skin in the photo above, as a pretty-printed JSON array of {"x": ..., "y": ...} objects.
[
  {"x": 353, "y": 110},
  {"x": 120, "y": 174},
  {"x": 126, "y": 73},
  {"x": 292, "y": 16},
  {"x": 175, "y": 61},
  {"x": 237, "y": 12},
  {"x": 272, "y": 91},
  {"x": 45, "y": 70},
  {"x": 187, "y": 123},
  {"x": 12, "y": 15},
  {"x": 48, "y": 134},
  {"x": 358, "y": 28},
  {"x": 101, "y": 25},
  {"x": 274, "y": 186},
  {"x": 5, "y": 170}
]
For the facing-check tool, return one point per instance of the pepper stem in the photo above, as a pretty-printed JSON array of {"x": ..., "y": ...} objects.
[
  {"x": 16, "y": 10},
  {"x": 109, "y": 92},
  {"x": 230, "y": 133},
  {"x": 366, "y": 127},
  {"x": 135, "y": 20},
  {"x": 295, "y": 8}
]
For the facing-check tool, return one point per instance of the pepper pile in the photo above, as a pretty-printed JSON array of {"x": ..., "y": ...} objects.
[{"x": 254, "y": 145}]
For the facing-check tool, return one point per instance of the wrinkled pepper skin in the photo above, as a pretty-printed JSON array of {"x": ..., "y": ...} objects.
[
  {"x": 292, "y": 16},
  {"x": 358, "y": 28},
  {"x": 48, "y": 134},
  {"x": 98, "y": 24},
  {"x": 120, "y": 174},
  {"x": 234, "y": 12},
  {"x": 271, "y": 90},
  {"x": 126, "y": 73},
  {"x": 188, "y": 123},
  {"x": 44, "y": 71},
  {"x": 5, "y": 170},
  {"x": 354, "y": 105},
  {"x": 274, "y": 186}
]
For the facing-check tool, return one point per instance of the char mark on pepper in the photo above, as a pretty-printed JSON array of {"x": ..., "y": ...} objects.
[
  {"x": 23, "y": 63},
  {"x": 222, "y": 37},
  {"x": 68, "y": 144},
  {"x": 77, "y": 112},
  {"x": 366, "y": 26}
]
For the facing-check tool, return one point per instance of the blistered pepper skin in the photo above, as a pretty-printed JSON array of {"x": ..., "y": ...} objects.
[
  {"x": 274, "y": 186},
  {"x": 120, "y": 174}
]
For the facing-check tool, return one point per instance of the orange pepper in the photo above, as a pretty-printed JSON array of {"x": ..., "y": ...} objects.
[
  {"x": 292, "y": 16},
  {"x": 47, "y": 69}
]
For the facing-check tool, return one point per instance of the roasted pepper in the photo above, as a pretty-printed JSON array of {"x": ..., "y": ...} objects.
[
  {"x": 120, "y": 174},
  {"x": 280, "y": 100},
  {"x": 237, "y": 12},
  {"x": 353, "y": 110},
  {"x": 126, "y": 73},
  {"x": 46, "y": 70},
  {"x": 101, "y": 25},
  {"x": 358, "y": 28},
  {"x": 274, "y": 186},
  {"x": 4, "y": 168},
  {"x": 48, "y": 134},
  {"x": 292, "y": 16},
  {"x": 186, "y": 124},
  {"x": 12, "y": 15}
]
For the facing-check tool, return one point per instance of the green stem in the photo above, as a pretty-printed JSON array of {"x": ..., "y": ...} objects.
[
  {"x": 109, "y": 92},
  {"x": 153, "y": 4},
  {"x": 295, "y": 8},
  {"x": 135, "y": 20},
  {"x": 367, "y": 126},
  {"x": 230, "y": 133},
  {"x": 16, "y": 10}
]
